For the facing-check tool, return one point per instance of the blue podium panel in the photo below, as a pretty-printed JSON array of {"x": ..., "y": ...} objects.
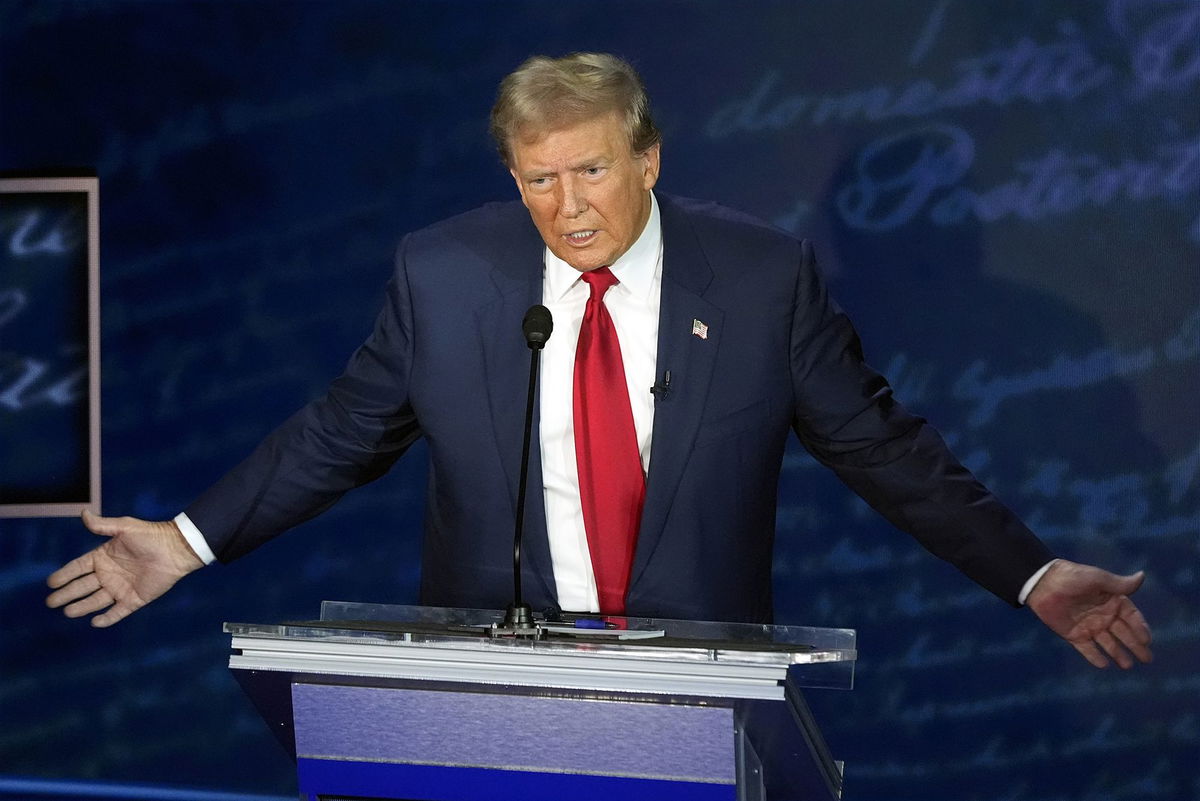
[
  {"x": 325, "y": 779},
  {"x": 433, "y": 744}
]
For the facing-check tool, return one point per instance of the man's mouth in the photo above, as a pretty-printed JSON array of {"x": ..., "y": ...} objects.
[{"x": 580, "y": 237}]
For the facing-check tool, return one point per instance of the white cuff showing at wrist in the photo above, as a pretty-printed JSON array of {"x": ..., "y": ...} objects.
[
  {"x": 1032, "y": 582},
  {"x": 197, "y": 542}
]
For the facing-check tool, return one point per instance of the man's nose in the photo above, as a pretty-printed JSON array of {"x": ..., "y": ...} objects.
[{"x": 573, "y": 202}]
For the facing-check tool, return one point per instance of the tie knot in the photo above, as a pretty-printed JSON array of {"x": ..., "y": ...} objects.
[{"x": 600, "y": 280}]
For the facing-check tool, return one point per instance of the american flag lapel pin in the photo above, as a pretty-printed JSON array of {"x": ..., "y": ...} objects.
[{"x": 699, "y": 329}]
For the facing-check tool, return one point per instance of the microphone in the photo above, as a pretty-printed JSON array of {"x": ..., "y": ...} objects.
[
  {"x": 537, "y": 326},
  {"x": 660, "y": 388}
]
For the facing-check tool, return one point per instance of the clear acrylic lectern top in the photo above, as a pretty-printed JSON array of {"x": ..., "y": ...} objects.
[{"x": 738, "y": 659}]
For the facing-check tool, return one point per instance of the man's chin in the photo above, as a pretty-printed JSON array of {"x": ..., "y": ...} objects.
[{"x": 584, "y": 261}]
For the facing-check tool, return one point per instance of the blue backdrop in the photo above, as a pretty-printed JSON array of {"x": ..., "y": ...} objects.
[{"x": 1004, "y": 195}]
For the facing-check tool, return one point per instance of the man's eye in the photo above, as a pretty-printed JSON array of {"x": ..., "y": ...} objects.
[{"x": 593, "y": 171}]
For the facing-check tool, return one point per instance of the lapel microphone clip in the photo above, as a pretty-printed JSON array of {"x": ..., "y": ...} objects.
[{"x": 661, "y": 387}]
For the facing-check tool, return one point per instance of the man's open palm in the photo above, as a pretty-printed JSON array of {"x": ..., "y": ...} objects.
[
  {"x": 139, "y": 562},
  {"x": 1090, "y": 608}
]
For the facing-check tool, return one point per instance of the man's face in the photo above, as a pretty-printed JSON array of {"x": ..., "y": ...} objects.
[{"x": 588, "y": 194}]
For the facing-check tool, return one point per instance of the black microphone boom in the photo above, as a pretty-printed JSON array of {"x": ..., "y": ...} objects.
[{"x": 537, "y": 325}]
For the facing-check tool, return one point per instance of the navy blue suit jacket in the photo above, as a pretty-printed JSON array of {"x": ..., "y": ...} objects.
[{"x": 447, "y": 361}]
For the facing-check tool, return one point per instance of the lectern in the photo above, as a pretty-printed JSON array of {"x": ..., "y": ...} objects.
[{"x": 402, "y": 702}]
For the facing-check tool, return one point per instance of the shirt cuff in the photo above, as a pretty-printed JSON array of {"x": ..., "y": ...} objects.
[
  {"x": 1031, "y": 583},
  {"x": 200, "y": 545}
]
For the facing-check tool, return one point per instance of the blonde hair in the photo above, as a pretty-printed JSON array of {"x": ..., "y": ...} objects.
[{"x": 546, "y": 93}]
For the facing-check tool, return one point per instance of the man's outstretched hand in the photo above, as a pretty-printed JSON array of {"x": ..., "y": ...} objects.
[
  {"x": 1090, "y": 608},
  {"x": 139, "y": 562}
]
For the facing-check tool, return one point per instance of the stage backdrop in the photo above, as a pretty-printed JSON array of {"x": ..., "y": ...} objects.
[{"x": 1004, "y": 195}]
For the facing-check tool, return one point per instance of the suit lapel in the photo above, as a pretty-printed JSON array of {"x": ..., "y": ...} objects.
[
  {"x": 690, "y": 358},
  {"x": 518, "y": 280}
]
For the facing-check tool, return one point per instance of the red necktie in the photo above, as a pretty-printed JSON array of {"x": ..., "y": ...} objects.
[{"x": 611, "y": 483}]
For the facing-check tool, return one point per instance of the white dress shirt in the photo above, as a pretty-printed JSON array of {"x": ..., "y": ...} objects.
[{"x": 633, "y": 305}]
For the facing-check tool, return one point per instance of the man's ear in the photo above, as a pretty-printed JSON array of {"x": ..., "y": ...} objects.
[
  {"x": 652, "y": 165},
  {"x": 520, "y": 186}
]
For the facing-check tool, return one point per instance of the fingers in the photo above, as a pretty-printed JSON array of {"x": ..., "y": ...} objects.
[
  {"x": 76, "y": 589},
  {"x": 85, "y": 595},
  {"x": 115, "y": 614},
  {"x": 1091, "y": 653},
  {"x": 82, "y": 565},
  {"x": 79, "y": 566},
  {"x": 1125, "y": 637},
  {"x": 1132, "y": 631},
  {"x": 1118, "y": 648},
  {"x": 93, "y": 603},
  {"x": 1109, "y": 643}
]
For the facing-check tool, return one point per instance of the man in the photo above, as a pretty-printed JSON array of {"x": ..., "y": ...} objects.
[{"x": 688, "y": 341}]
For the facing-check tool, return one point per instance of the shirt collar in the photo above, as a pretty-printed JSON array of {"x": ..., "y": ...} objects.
[{"x": 635, "y": 269}]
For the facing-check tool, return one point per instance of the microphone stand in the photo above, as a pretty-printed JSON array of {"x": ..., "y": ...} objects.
[{"x": 518, "y": 617}]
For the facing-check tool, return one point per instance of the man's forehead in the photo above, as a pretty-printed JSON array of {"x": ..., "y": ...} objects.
[{"x": 599, "y": 132}]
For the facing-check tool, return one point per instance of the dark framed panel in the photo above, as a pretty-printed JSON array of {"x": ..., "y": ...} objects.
[{"x": 49, "y": 346}]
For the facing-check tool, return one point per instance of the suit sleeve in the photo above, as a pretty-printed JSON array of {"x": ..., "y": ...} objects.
[
  {"x": 848, "y": 419},
  {"x": 345, "y": 439}
]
